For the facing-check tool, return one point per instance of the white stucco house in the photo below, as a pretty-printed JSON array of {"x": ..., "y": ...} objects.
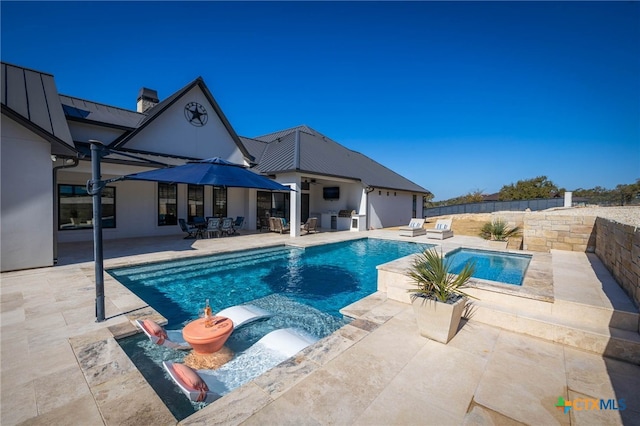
[{"x": 45, "y": 163}]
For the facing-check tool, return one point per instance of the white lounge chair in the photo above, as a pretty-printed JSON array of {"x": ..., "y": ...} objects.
[
  {"x": 442, "y": 230},
  {"x": 243, "y": 314},
  {"x": 209, "y": 385},
  {"x": 415, "y": 228},
  {"x": 239, "y": 315}
]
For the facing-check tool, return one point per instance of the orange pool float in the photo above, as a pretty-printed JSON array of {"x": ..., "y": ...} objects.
[{"x": 207, "y": 340}]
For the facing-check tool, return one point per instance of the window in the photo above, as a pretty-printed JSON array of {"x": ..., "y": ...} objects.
[
  {"x": 263, "y": 206},
  {"x": 219, "y": 201},
  {"x": 195, "y": 202},
  {"x": 280, "y": 205},
  {"x": 414, "y": 206},
  {"x": 167, "y": 204},
  {"x": 75, "y": 207}
]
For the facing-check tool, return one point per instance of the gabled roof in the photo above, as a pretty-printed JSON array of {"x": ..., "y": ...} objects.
[
  {"x": 30, "y": 98},
  {"x": 157, "y": 110},
  {"x": 304, "y": 150}
]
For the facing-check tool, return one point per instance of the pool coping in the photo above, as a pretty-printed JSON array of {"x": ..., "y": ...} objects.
[{"x": 537, "y": 283}]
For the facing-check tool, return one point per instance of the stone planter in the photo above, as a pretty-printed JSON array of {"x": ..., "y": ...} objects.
[
  {"x": 436, "y": 320},
  {"x": 498, "y": 245}
]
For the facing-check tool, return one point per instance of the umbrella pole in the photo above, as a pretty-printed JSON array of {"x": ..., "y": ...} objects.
[{"x": 94, "y": 187}]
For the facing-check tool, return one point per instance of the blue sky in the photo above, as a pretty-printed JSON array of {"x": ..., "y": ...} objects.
[{"x": 456, "y": 96}]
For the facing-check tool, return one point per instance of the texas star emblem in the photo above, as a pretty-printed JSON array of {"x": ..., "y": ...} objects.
[{"x": 195, "y": 114}]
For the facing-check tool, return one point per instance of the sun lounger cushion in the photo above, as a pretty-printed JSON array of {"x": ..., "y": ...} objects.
[
  {"x": 413, "y": 229},
  {"x": 155, "y": 329},
  {"x": 190, "y": 378}
]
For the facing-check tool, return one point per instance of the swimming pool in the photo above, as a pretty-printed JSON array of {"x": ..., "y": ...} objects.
[
  {"x": 508, "y": 268},
  {"x": 303, "y": 288}
]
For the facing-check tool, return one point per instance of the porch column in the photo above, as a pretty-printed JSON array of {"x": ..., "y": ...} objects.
[{"x": 295, "y": 207}]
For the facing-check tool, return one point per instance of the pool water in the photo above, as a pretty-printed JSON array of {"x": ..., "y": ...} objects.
[
  {"x": 506, "y": 268},
  {"x": 302, "y": 288}
]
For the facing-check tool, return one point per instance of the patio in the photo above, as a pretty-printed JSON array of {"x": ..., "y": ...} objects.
[{"x": 61, "y": 367}]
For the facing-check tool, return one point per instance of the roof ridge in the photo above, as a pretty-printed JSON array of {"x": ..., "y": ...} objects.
[
  {"x": 25, "y": 68},
  {"x": 287, "y": 131}
]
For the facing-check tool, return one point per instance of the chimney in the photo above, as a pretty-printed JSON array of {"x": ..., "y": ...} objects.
[{"x": 147, "y": 98}]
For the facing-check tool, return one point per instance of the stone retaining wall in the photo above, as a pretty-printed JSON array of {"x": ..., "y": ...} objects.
[
  {"x": 618, "y": 247},
  {"x": 544, "y": 232}
]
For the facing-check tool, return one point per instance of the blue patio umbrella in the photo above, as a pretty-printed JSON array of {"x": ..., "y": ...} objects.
[{"x": 213, "y": 171}]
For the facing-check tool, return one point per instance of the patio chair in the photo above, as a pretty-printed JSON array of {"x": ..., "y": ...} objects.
[
  {"x": 415, "y": 228},
  {"x": 227, "y": 226},
  {"x": 310, "y": 225},
  {"x": 213, "y": 226},
  {"x": 273, "y": 224},
  {"x": 192, "y": 231},
  {"x": 442, "y": 230},
  {"x": 281, "y": 225},
  {"x": 238, "y": 224}
]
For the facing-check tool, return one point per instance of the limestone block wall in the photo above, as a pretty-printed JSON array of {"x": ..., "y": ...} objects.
[
  {"x": 618, "y": 247},
  {"x": 544, "y": 232}
]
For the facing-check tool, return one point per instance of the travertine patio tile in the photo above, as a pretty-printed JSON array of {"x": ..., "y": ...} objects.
[
  {"x": 13, "y": 331},
  {"x": 13, "y": 352},
  {"x": 476, "y": 338},
  {"x": 142, "y": 407},
  {"x": 86, "y": 339},
  {"x": 48, "y": 322},
  {"x": 232, "y": 409},
  {"x": 60, "y": 388},
  {"x": 80, "y": 314},
  {"x": 409, "y": 409},
  {"x": 329, "y": 397},
  {"x": 587, "y": 374},
  {"x": 281, "y": 412},
  {"x": 384, "y": 311},
  {"x": 10, "y": 302},
  {"x": 97, "y": 353},
  {"x": 17, "y": 403},
  {"x": 286, "y": 375},
  {"x": 523, "y": 379},
  {"x": 482, "y": 416},
  {"x": 79, "y": 412},
  {"x": 51, "y": 359},
  {"x": 333, "y": 345},
  {"x": 440, "y": 376},
  {"x": 383, "y": 347},
  {"x": 106, "y": 366},
  {"x": 42, "y": 338},
  {"x": 14, "y": 316}
]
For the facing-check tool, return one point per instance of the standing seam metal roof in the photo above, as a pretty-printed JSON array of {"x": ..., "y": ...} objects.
[
  {"x": 31, "y": 97},
  {"x": 83, "y": 110},
  {"x": 321, "y": 155}
]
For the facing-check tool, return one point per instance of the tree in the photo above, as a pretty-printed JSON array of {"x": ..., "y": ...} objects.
[
  {"x": 538, "y": 187},
  {"x": 628, "y": 193},
  {"x": 474, "y": 196}
]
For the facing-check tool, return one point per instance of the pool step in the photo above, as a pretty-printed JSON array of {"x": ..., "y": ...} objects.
[
  {"x": 594, "y": 315},
  {"x": 194, "y": 267},
  {"x": 579, "y": 331}
]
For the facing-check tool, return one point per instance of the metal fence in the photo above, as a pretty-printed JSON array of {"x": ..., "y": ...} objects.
[{"x": 495, "y": 206}]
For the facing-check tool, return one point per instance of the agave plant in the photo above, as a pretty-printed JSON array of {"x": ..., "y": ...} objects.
[
  {"x": 433, "y": 279},
  {"x": 498, "y": 230}
]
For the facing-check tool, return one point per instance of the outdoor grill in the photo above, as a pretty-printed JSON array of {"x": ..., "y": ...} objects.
[{"x": 346, "y": 213}]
